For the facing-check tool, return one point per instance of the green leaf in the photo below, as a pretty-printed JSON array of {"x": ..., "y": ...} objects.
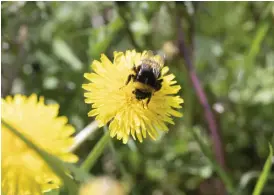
[
  {"x": 264, "y": 175},
  {"x": 65, "y": 53},
  {"x": 54, "y": 163}
]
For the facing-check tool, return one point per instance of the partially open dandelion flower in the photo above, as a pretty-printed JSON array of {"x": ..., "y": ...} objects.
[
  {"x": 114, "y": 101},
  {"x": 23, "y": 171}
]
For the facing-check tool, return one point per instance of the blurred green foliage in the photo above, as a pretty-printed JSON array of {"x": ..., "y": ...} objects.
[{"x": 47, "y": 47}]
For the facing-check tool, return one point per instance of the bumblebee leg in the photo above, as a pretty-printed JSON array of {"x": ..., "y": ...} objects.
[
  {"x": 148, "y": 100},
  {"x": 131, "y": 76},
  {"x": 158, "y": 84},
  {"x": 143, "y": 104},
  {"x": 160, "y": 81},
  {"x": 128, "y": 80},
  {"x": 135, "y": 69}
]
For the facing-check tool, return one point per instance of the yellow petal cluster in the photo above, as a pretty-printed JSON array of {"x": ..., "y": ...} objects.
[
  {"x": 23, "y": 171},
  {"x": 113, "y": 102}
]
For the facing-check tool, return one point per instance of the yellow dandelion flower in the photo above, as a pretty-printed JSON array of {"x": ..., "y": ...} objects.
[
  {"x": 114, "y": 102},
  {"x": 23, "y": 171}
]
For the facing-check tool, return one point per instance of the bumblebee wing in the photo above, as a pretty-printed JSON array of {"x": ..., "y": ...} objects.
[
  {"x": 147, "y": 55},
  {"x": 160, "y": 60},
  {"x": 153, "y": 56}
]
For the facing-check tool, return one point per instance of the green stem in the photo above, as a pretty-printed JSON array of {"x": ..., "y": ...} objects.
[
  {"x": 83, "y": 135},
  {"x": 220, "y": 172},
  {"x": 96, "y": 152}
]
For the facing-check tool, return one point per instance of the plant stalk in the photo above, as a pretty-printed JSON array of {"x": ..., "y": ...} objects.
[
  {"x": 83, "y": 135},
  {"x": 186, "y": 54},
  {"x": 96, "y": 152}
]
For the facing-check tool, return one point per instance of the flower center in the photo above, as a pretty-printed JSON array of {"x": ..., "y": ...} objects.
[{"x": 130, "y": 98}]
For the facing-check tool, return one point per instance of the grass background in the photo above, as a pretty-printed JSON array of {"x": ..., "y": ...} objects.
[{"x": 47, "y": 47}]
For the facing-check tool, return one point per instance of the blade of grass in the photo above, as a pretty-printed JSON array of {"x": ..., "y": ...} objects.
[
  {"x": 65, "y": 53},
  {"x": 264, "y": 175},
  {"x": 54, "y": 163},
  {"x": 222, "y": 174},
  {"x": 255, "y": 47},
  {"x": 96, "y": 152}
]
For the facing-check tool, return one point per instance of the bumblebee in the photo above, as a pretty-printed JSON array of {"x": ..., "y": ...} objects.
[{"x": 146, "y": 77}]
